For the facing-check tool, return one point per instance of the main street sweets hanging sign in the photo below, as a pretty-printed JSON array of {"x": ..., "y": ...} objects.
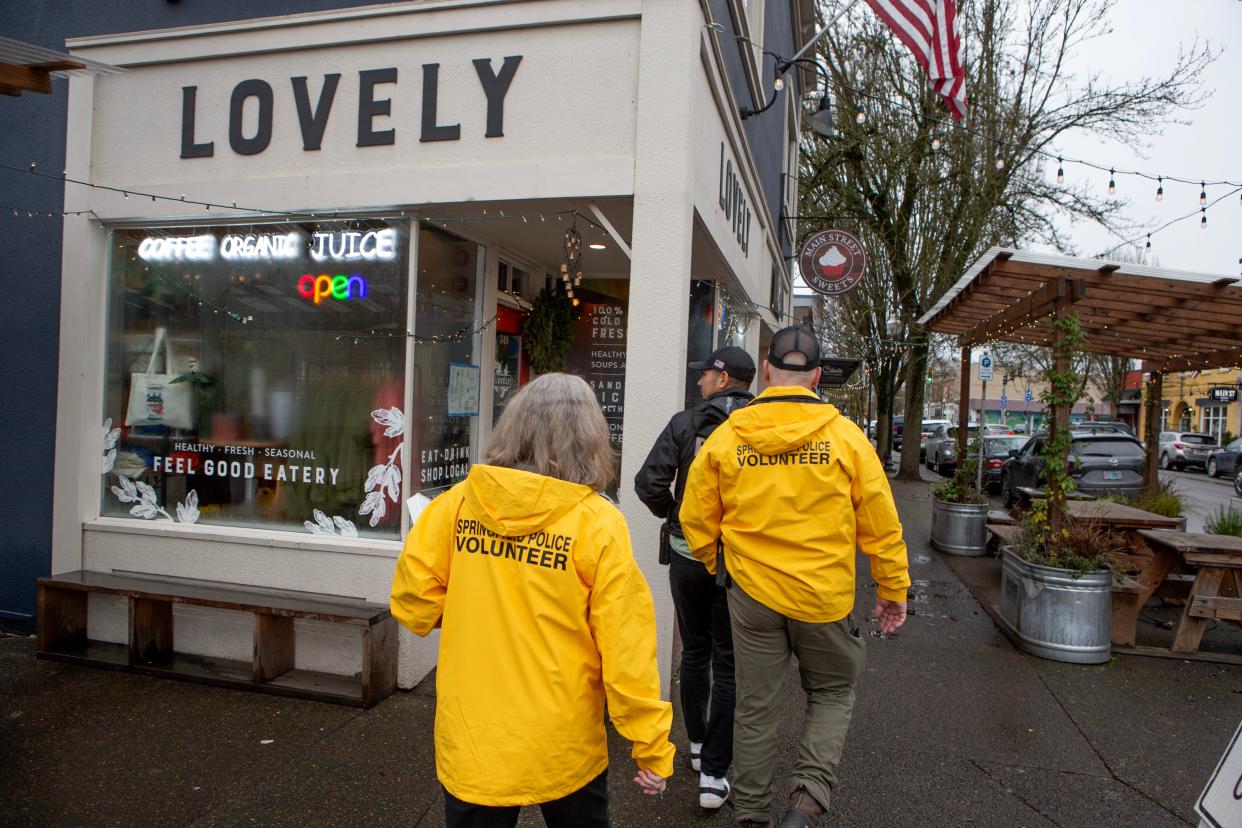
[{"x": 832, "y": 262}]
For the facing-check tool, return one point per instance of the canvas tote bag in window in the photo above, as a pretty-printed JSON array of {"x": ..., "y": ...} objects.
[{"x": 154, "y": 399}]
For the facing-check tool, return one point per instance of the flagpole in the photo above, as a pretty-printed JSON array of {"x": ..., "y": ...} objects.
[{"x": 848, "y": 5}]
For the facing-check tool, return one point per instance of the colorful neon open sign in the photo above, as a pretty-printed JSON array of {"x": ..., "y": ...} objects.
[{"x": 339, "y": 286}]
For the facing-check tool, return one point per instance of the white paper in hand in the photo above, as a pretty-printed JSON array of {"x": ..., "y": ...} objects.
[{"x": 416, "y": 504}]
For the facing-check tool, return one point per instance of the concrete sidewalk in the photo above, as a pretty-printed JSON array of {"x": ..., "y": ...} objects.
[{"x": 952, "y": 726}]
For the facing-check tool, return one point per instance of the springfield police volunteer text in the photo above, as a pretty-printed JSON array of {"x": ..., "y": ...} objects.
[{"x": 814, "y": 453}]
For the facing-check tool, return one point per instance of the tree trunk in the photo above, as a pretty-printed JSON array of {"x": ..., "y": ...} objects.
[{"x": 916, "y": 371}]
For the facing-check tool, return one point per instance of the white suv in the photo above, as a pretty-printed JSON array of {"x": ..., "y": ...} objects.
[{"x": 1179, "y": 449}]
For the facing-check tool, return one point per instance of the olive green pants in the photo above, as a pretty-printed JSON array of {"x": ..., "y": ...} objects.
[{"x": 830, "y": 661}]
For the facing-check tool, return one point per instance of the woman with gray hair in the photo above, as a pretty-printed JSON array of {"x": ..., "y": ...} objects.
[{"x": 544, "y": 616}]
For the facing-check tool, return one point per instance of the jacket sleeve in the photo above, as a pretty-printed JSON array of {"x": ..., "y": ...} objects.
[
  {"x": 879, "y": 528},
  {"x": 654, "y": 482},
  {"x": 701, "y": 508},
  {"x": 622, "y": 619},
  {"x": 421, "y": 580}
]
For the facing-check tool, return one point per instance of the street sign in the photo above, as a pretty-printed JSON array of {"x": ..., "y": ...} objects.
[
  {"x": 1220, "y": 804},
  {"x": 1004, "y": 402},
  {"x": 985, "y": 367},
  {"x": 1028, "y": 396},
  {"x": 1225, "y": 394}
]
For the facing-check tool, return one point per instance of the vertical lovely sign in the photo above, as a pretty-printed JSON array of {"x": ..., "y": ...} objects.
[{"x": 832, "y": 262}]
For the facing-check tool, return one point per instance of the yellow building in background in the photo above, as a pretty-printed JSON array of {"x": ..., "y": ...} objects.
[{"x": 1204, "y": 401}]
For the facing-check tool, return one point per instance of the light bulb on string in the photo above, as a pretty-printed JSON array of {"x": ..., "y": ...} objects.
[
  {"x": 861, "y": 117},
  {"x": 1203, "y": 221},
  {"x": 935, "y": 143},
  {"x": 1112, "y": 183},
  {"x": 1060, "y": 171},
  {"x": 1000, "y": 163},
  {"x": 779, "y": 83},
  {"x": 1149, "y": 244},
  {"x": 1202, "y": 194},
  {"x": 1159, "y": 188}
]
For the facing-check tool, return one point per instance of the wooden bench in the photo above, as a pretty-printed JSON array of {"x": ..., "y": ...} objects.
[
  {"x": 1002, "y": 534},
  {"x": 1001, "y": 517},
  {"x": 1216, "y": 571},
  {"x": 62, "y": 608}
]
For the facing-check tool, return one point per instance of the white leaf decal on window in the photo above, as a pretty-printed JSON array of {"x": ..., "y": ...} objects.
[
  {"x": 347, "y": 527},
  {"x": 375, "y": 477},
  {"x": 187, "y": 512},
  {"x": 109, "y": 460},
  {"x": 392, "y": 482},
  {"x": 392, "y": 419}
]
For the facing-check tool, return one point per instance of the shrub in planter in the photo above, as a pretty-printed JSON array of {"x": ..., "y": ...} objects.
[
  {"x": 1163, "y": 499},
  {"x": 1224, "y": 521},
  {"x": 960, "y": 514},
  {"x": 1056, "y": 588}
]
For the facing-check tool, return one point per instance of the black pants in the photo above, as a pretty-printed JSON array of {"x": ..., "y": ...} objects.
[
  {"x": 586, "y": 807},
  {"x": 707, "y": 685}
]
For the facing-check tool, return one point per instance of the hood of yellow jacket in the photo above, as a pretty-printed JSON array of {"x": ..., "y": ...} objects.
[
  {"x": 513, "y": 503},
  {"x": 780, "y": 427}
]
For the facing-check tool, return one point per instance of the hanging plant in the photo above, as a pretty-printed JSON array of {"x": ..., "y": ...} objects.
[{"x": 548, "y": 331}]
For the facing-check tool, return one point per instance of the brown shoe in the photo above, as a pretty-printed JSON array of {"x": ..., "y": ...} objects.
[{"x": 804, "y": 811}]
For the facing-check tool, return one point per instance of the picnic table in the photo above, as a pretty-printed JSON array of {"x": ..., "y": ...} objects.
[
  {"x": 1218, "y": 561},
  {"x": 1118, "y": 515}
]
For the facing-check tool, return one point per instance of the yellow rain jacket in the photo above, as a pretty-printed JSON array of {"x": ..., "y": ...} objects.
[
  {"x": 792, "y": 488},
  {"x": 544, "y": 615}
]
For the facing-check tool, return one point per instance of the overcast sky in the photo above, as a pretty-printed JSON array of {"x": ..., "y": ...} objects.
[{"x": 1145, "y": 38}]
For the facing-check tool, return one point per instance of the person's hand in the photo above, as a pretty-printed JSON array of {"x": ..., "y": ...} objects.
[
  {"x": 890, "y": 614},
  {"x": 652, "y": 783}
]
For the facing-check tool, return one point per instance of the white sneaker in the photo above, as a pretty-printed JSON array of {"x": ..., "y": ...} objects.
[
  {"x": 713, "y": 791},
  {"x": 696, "y": 753}
]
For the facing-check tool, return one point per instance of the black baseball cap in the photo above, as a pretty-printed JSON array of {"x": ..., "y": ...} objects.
[
  {"x": 731, "y": 360},
  {"x": 793, "y": 340}
]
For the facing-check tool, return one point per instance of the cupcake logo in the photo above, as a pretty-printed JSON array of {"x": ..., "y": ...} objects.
[{"x": 832, "y": 262}]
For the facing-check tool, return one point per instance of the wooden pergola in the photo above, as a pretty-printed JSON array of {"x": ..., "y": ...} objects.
[
  {"x": 1168, "y": 319},
  {"x": 25, "y": 67}
]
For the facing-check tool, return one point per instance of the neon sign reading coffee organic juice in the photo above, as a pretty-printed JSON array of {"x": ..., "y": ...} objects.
[{"x": 339, "y": 286}]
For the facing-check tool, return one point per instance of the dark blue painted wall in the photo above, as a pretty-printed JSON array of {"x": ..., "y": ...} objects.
[
  {"x": 765, "y": 132},
  {"x": 34, "y": 130}
]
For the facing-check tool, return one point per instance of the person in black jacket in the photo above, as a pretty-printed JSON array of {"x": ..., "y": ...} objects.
[{"x": 707, "y": 687}]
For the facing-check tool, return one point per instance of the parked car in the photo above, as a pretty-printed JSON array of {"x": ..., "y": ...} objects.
[
  {"x": 1225, "y": 460},
  {"x": 997, "y": 430},
  {"x": 1098, "y": 463},
  {"x": 940, "y": 448},
  {"x": 1179, "y": 449},
  {"x": 996, "y": 449},
  {"x": 1104, "y": 427},
  {"x": 898, "y": 427},
  {"x": 1237, "y": 483},
  {"x": 930, "y": 427}
]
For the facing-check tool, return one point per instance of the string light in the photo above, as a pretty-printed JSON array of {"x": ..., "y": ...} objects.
[
  {"x": 935, "y": 143},
  {"x": 779, "y": 83},
  {"x": 1149, "y": 244},
  {"x": 1202, "y": 194},
  {"x": 1112, "y": 183},
  {"x": 861, "y": 117},
  {"x": 1159, "y": 189},
  {"x": 1000, "y": 163},
  {"x": 1060, "y": 171},
  {"x": 1203, "y": 221}
]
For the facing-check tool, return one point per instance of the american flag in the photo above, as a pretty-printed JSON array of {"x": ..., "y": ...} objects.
[{"x": 929, "y": 29}]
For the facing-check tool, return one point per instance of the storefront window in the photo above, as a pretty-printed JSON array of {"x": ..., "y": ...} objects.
[
  {"x": 446, "y": 373},
  {"x": 1214, "y": 420},
  {"x": 254, "y": 375}
]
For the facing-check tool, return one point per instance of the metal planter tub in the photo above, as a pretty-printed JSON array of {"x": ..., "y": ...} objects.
[
  {"x": 1055, "y": 613},
  {"x": 960, "y": 528}
]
